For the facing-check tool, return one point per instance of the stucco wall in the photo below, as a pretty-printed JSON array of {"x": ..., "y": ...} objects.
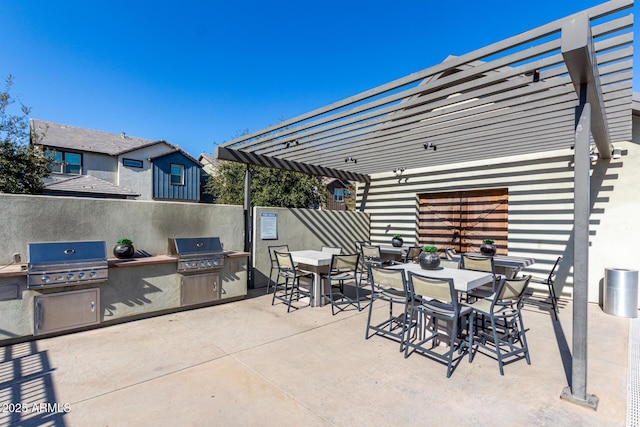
[
  {"x": 307, "y": 229},
  {"x": 129, "y": 291},
  {"x": 149, "y": 224},
  {"x": 101, "y": 166}
]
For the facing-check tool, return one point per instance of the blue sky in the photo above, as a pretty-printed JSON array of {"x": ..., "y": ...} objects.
[{"x": 197, "y": 73}]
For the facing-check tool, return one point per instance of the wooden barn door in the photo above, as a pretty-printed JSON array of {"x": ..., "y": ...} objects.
[{"x": 463, "y": 219}]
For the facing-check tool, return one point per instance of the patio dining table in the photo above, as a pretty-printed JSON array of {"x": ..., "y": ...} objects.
[
  {"x": 318, "y": 263},
  {"x": 463, "y": 280}
]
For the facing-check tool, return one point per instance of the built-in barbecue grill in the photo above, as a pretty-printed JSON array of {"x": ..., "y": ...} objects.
[
  {"x": 56, "y": 264},
  {"x": 200, "y": 260},
  {"x": 198, "y": 254}
]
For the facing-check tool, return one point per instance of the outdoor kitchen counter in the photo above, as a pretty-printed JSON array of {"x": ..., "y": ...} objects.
[
  {"x": 136, "y": 287},
  {"x": 14, "y": 270}
]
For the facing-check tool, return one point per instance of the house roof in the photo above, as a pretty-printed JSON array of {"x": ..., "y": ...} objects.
[
  {"x": 84, "y": 184},
  {"x": 75, "y": 138},
  {"x": 514, "y": 97},
  {"x": 176, "y": 149},
  {"x": 209, "y": 158}
]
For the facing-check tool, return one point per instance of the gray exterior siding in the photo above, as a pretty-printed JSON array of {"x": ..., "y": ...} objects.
[{"x": 162, "y": 187}]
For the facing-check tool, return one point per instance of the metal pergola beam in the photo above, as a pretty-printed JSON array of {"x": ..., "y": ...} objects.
[{"x": 274, "y": 162}]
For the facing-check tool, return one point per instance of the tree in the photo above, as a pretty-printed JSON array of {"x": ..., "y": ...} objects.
[
  {"x": 269, "y": 187},
  {"x": 22, "y": 166}
]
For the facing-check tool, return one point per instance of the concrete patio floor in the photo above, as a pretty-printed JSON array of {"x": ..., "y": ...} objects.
[{"x": 249, "y": 363}]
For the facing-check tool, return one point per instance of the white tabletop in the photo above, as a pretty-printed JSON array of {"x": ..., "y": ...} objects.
[
  {"x": 463, "y": 280},
  {"x": 311, "y": 257}
]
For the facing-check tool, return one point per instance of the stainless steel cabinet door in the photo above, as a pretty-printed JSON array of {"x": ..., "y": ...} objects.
[
  {"x": 199, "y": 288},
  {"x": 65, "y": 310}
]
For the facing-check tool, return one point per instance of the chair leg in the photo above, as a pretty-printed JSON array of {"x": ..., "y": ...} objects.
[
  {"x": 366, "y": 335},
  {"x": 523, "y": 339},
  {"x": 554, "y": 300},
  {"x": 357, "y": 285},
  {"x": 496, "y": 341},
  {"x": 472, "y": 321},
  {"x": 333, "y": 313},
  {"x": 269, "y": 282},
  {"x": 294, "y": 288}
]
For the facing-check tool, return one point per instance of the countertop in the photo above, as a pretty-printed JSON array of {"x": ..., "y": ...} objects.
[{"x": 17, "y": 270}]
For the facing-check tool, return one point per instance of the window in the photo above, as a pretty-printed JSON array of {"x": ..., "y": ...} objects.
[
  {"x": 132, "y": 163},
  {"x": 65, "y": 162},
  {"x": 177, "y": 174},
  {"x": 338, "y": 194}
]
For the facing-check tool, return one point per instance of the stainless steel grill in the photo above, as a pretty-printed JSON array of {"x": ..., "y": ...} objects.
[
  {"x": 198, "y": 254},
  {"x": 56, "y": 264}
]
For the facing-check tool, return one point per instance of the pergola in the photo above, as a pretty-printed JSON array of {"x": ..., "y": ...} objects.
[{"x": 565, "y": 84}]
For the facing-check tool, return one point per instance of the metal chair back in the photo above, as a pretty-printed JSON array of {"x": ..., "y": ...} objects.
[
  {"x": 331, "y": 250},
  {"x": 285, "y": 261},
  {"x": 432, "y": 288},
  {"x": 513, "y": 289},
  {"x": 347, "y": 263},
  {"x": 385, "y": 279},
  {"x": 412, "y": 254},
  {"x": 449, "y": 263},
  {"x": 477, "y": 263},
  {"x": 360, "y": 243},
  {"x": 272, "y": 255}
]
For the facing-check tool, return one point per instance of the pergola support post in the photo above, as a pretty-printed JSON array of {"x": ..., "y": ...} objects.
[
  {"x": 248, "y": 225},
  {"x": 577, "y": 390}
]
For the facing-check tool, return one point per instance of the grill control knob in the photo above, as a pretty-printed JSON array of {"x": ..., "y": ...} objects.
[
  {"x": 209, "y": 263},
  {"x": 81, "y": 274},
  {"x": 45, "y": 279},
  {"x": 93, "y": 273},
  {"x": 70, "y": 275}
]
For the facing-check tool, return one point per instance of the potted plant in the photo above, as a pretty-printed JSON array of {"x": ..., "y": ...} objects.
[
  {"x": 429, "y": 258},
  {"x": 487, "y": 247},
  {"x": 397, "y": 241},
  {"x": 124, "y": 249}
]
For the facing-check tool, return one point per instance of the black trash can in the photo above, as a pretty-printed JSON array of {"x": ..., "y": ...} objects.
[{"x": 620, "y": 292}]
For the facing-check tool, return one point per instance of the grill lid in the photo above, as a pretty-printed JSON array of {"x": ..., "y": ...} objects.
[
  {"x": 190, "y": 246},
  {"x": 56, "y": 253}
]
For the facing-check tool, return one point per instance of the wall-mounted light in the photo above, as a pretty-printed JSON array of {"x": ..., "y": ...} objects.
[
  {"x": 350, "y": 159},
  {"x": 429, "y": 145},
  {"x": 398, "y": 171},
  {"x": 593, "y": 155}
]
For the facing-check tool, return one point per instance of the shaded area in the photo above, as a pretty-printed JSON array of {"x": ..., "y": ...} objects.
[{"x": 27, "y": 395}]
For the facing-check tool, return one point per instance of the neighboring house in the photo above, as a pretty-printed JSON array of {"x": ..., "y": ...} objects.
[
  {"x": 90, "y": 163},
  {"x": 338, "y": 192}
]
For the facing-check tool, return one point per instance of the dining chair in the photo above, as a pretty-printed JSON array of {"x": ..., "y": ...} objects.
[
  {"x": 389, "y": 286},
  {"x": 550, "y": 282},
  {"x": 359, "y": 244},
  {"x": 505, "y": 336},
  {"x": 371, "y": 256},
  {"x": 412, "y": 254},
  {"x": 331, "y": 250},
  {"x": 274, "y": 262},
  {"x": 477, "y": 262},
  {"x": 449, "y": 253},
  {"x": 343, "y": 268},
  {"x": 288, "y": 271},
  {"x": 434, "y": 304},
  {"x": 449, "y": 263}
]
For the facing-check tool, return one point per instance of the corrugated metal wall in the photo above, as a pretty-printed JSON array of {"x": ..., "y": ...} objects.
[
  {"x": 162, "y": 188},
  {"x": 540, "y": 212}
]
